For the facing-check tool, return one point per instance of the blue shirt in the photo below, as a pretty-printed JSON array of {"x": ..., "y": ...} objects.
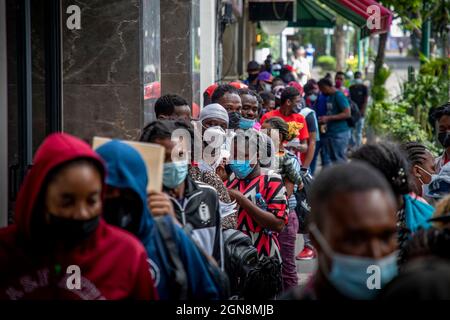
[{"x": 321, "y": 105}]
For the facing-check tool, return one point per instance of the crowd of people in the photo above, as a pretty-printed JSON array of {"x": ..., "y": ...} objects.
[{"x": 286, "y": 157}]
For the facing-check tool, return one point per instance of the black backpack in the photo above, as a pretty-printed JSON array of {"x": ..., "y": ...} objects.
[
  {"x": 303, "y": 208},
  {"x": 251, "y": 277},
  {"x": 178, "y": 278},
  {"x": 355, "y": 114}
]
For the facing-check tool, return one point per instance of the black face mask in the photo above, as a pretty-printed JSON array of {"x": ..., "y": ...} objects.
[
  {"x": 252, "y": 77},
  {"x": 233, "y": 120},
  {"x": 444, "y": 139},
  {"x": 70, "y": 231},
  {"x": 228, "y": 170},
  {"x": 123, "y": 212}
]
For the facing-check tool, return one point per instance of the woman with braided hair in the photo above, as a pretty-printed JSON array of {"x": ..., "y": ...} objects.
[
  {"x": 421, "y": 166},
  {"x": 412, "y": 213}
]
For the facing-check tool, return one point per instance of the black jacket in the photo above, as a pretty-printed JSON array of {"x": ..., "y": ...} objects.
[{"x": 200, "y": 211}]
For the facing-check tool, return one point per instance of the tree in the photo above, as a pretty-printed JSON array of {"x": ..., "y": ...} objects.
[
  {"x": 412, "y": 14},
  {"x": 339, "y": 42}
]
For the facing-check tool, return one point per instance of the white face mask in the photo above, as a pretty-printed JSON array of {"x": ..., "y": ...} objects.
[{"x": 426, "y": 186}]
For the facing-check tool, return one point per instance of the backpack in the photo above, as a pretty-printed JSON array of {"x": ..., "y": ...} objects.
[
  {"x": 251, "y": 277},
  {"x": 303, "y": 208},
  {"x": 178, "y": 276},
  {"x": 355, "y": 114}
]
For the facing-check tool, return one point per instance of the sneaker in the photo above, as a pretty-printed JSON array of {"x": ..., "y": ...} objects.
[{"x": 306, "y": 254}]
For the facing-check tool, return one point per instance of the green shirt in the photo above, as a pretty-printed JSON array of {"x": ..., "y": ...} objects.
[{"x": 336, "y": 104}]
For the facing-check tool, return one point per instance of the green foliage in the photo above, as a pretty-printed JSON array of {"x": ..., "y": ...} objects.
[
  {"x": 430, "y": 89},
  {"x": 407, "y": 119},
  {"x": 379, "y": 92},
  {"x": 435, "y": 67},
  {"x": 392, "y": 121},
  {"x": 265, "y": 41},
  {"x": 327, "y": 63}
]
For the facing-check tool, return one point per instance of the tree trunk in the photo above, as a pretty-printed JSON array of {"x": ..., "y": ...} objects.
[
  {"x": 339, "y": 40},
  {"x": 379, "y": 60}
]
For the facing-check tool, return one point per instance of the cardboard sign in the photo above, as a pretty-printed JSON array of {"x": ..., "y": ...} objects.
[{"x": 153, "y": 155}]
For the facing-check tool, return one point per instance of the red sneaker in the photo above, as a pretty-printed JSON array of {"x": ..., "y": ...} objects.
[{"x": 306, "y": 254}]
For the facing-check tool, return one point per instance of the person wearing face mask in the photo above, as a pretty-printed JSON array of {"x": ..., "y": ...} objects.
[
  {"x": 311, "y": 121},
  {"x": 264, "y": 82},
  {"x": 339, "y": 81},
  {"x": 268, "y": 103},
  {"x": 196, "y": 204},
  {"x": 421, "y": 164},
  {"x": 261, "y": 223},
  {"x": 335, "y": 132},
  {"x": 353, "y": 227},
  {"x": 359, "y": 93},
  {"x": 214, "y": 120},
  {"x": 58, "y": 225},
  {"x": 253, "y": 69},
  {"x": 412, "y": 213},
  {"x": 126, "y": 207},
  {"x": 249, "y": 111},
  {"x": 290, "y": 100},
  {"x": 441, "y": 117}
]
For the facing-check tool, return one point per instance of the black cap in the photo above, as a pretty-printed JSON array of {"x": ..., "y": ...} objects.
[{"x": 253, "y": 66}]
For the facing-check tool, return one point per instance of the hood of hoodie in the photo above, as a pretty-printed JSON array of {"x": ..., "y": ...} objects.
[
  {"x": 127, "y": 170},
  {"x": 57, "y": 149}
]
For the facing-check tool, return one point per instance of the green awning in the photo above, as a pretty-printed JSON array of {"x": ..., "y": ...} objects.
[
  {"x": 311, "y": 14},
  {"x": 348, "y": 14}
]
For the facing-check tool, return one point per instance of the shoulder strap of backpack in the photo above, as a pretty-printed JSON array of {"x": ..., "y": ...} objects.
[{"x": 174, "y": 257}]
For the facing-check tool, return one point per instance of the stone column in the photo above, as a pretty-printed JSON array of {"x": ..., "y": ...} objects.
[
  {"x": 102, "y": 82},
  {"x": 176, "y": 56}
]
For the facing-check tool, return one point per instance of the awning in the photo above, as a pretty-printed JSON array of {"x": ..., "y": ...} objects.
[
  {"x": 356, "y": 12},
  {"x": 311, "y": 14}
]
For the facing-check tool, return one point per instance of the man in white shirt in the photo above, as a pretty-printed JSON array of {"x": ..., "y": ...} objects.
[{"x": 301, "y": 66}]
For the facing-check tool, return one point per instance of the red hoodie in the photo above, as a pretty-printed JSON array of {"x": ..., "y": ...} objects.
[{"x": 112, "y": 263}]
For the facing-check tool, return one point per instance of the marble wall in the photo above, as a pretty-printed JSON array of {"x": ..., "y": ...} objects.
[
  {"x": 102, "y": 86},
  {"x": 176, "y": 57}
]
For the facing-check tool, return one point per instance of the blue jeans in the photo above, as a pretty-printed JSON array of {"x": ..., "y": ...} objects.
[
  {"x": 323, "y": 155},
  {"x": 357, "y": 133},
  {"x": 335, "y": 145}
]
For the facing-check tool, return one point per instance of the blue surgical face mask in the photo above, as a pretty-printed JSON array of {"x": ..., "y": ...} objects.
[
  {"x": 246, "y": 124},
  {"x": 313, "y": 97},
  {"x": 174, "y": 173},
  {"x": 241, "y": 168},
  {"x": 355, "y": 276}
]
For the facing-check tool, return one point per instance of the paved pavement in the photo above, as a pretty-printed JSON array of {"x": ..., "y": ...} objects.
[{"x": 305, "y": 268}]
